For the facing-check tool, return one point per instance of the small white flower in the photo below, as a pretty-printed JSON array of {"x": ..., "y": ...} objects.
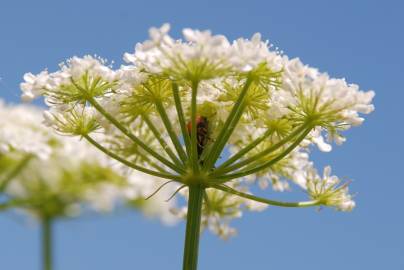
[
  {"x": 33, "y": 85},
  {"x": 328, "y": 190}
]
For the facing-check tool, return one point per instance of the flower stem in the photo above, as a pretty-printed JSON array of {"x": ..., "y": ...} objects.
[
  {"x": 161, "y": 140},
  {"x": 128, "y": 163},
  {"x": 129, "y": 134},
  {"x": 266, "y": 201},
  {"x": 225, "y": 167},
  {"x": 193, "y": 228},
  {"x": 244, "y": 151},
  {"x": 181, "y": 118},
  {"x": 170, "y": 130},
  {"x": 242, "y": 173},
  {"x": 15, "y": 171},
  {"x": 13, "y": 203},
  {"x": 124, "y": 130},
  {"x": 228, "y": 127},
  {"x": 47, "y": 243},
  {"x": 194, "y": 143}
]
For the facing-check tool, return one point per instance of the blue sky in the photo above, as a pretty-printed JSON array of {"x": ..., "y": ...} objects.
[{"x": 362, "y": 41}]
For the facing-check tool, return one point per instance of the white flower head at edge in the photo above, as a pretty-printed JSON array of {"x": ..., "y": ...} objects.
[
  {"x": 70, "y": 169},
  {"x": 327, "y": 189}
]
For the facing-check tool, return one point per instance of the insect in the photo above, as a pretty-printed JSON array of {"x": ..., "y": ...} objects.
[{"x": 202, "y": 132}]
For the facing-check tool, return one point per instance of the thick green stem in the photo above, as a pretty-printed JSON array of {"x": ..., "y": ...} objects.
[
  {"x": 47, "y": 261},
  {"x": 191, "y": 246}
]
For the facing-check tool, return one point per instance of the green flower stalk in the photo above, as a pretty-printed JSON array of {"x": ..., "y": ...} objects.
[{"x": 211, "y": 116}]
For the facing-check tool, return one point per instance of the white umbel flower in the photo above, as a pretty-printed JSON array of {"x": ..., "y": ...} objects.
[
  {"x": 178, "y": 105},
  {"x": 329, "y": 190}
]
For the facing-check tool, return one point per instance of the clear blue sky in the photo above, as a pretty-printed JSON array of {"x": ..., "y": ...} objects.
[{"x": 360, "y": 40}]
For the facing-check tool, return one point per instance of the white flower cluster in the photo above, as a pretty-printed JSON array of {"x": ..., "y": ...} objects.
[
  {"x": 65, "y": 173},
  {"x": 202, "y": 56},
  {"x": 73, "y": 69},
  {"x": 328, "y": 190},
  {"x": 22, "y": 133},
  {"x": 334, "y": 103},
  {"x": 265, "y": 108}
]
